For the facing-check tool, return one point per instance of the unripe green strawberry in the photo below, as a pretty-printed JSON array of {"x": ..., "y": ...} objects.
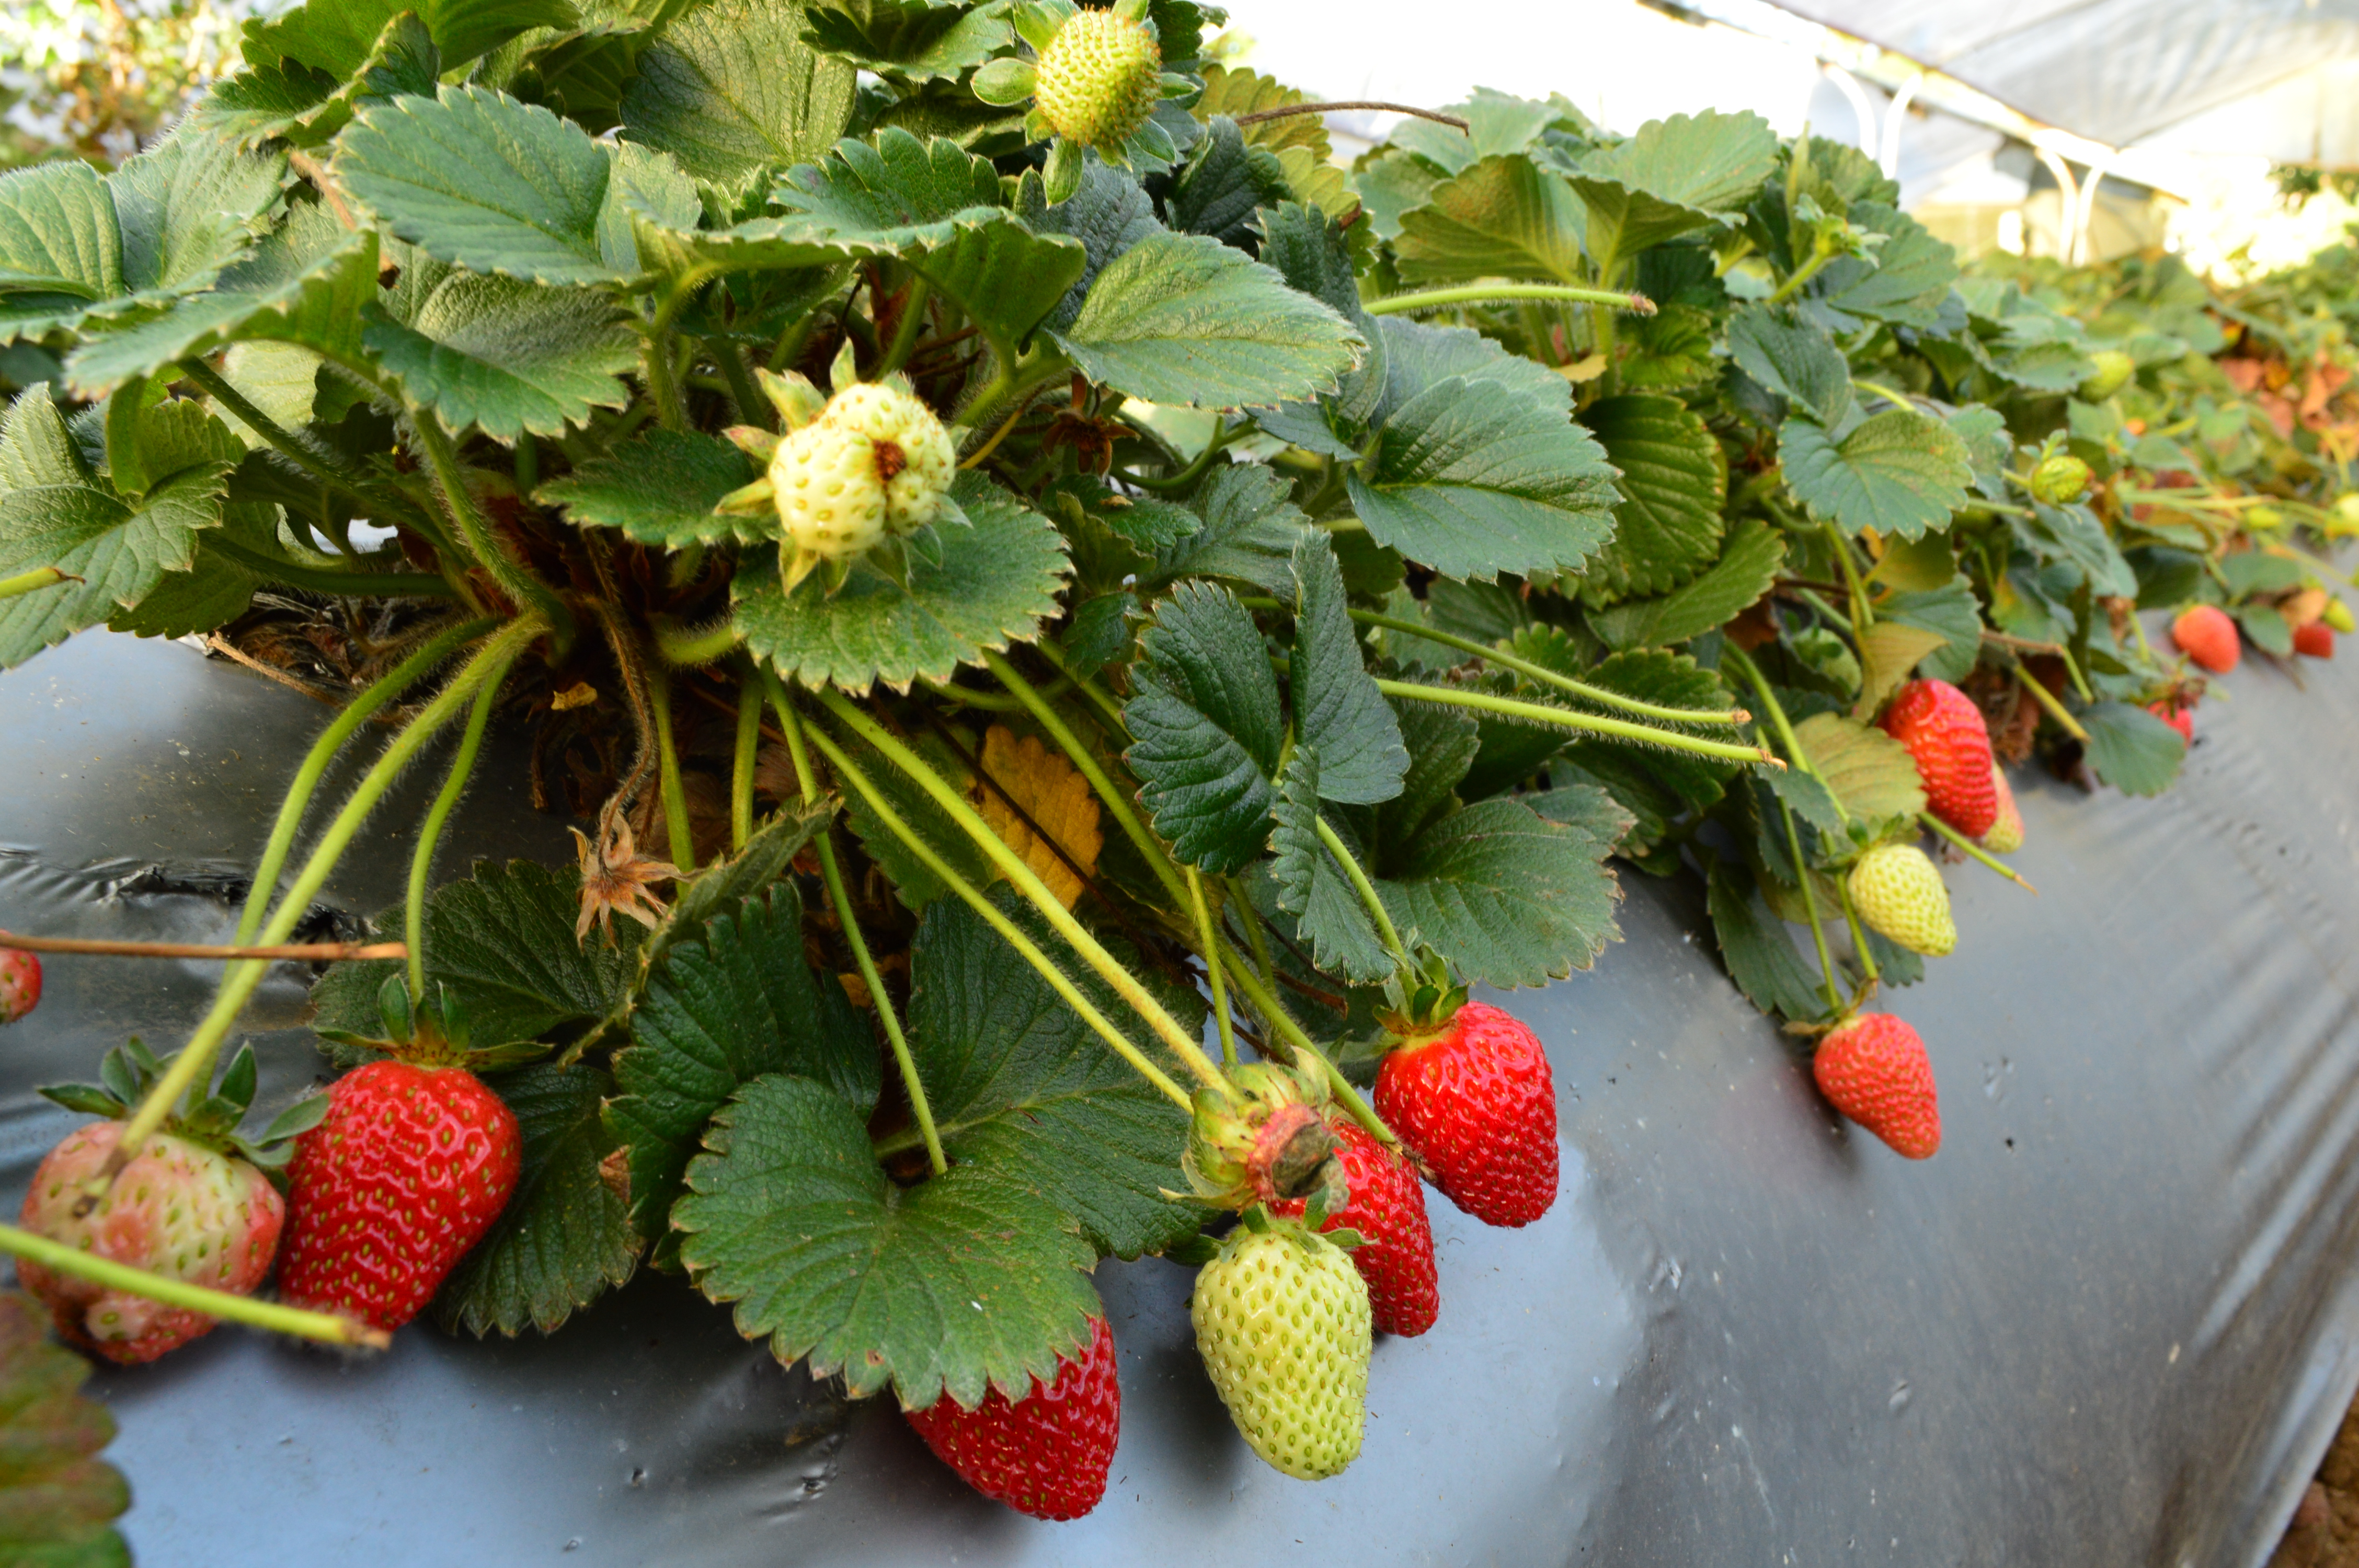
[
  {"x": 178, "y": 1210},
  {"x": 2114, "y": 371},
  {"x": 2005, "y": 835},
  {"x": 2060, "y": 479},
  {"x": 1097, "y": 82},
  {"x": 1282, "y": 1322},
  {"x": 1900, "y": 895},
  {"x": 2337, "y": 614}
]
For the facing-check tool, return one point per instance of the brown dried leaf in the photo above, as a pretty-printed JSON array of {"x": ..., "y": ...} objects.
[{"x": 1048, "y": 790}]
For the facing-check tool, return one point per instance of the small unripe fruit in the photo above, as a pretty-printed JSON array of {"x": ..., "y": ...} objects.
[
  {"x": 912, "y": 452},
  {"x": 2114, "y": 371},
  {"x": 1097, "y": 82},
  {"x": 1900, "y": 895},
  {"x": 830, "y": 501},
  {"x": 20, "y": 983},
  {"x": 2061, "y": 480},
  {"x": 2337, "y": 614}
]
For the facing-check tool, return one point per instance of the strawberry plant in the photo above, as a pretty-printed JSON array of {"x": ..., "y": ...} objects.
[{"x": 1077, "y": 630}]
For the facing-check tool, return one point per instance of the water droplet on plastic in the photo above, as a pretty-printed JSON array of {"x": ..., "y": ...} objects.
[{"x": 1901, "y": 1392}]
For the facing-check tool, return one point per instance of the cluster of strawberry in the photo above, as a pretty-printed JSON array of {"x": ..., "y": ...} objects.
[
  {"x": 1334, "y": 1245},
  {"x": 387, "y": 1180}
]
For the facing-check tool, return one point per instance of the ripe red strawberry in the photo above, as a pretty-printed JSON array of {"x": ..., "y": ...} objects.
[
  {"x": 408, "y": 1169},
  {"x": 1045, "y": 1454},
  {"x": 2317, "y": 640},
  {"x": 2205, "y": 634},
  {"x": 2179, "y": 717},
  {"x": 1944, "y": 731},
  {"x": 1475, "y": 1101},
  {"x": 178, "y": 1209},
  {"x": 20, "y": 983},
  {"x": 1388, "y": 1208},
  {"x": 1874, "y": 1070}
]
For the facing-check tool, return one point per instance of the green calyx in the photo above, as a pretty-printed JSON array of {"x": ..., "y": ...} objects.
[
  {"x": 430, "y": 1033},
  {"x": 1272, "y": 1146},
  {"x": 208, "y": 1118},
  {"x": 1421, "y": 1001}
]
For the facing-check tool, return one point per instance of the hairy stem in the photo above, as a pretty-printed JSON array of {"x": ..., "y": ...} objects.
[
  {"x": 1729, "y": 652},
  {"x": 421, "y": 862},
  {"x": 846, "y": 918},
  {"x": 1536, "y": 713},
  {"x": 323, "y": 751},
  {"x": 489, "y": 663},
  {"x": 1208, "y": 938},
  {"x": 1367, "y": 891},
  {"x": 1481, "y": 293},
  {"x": 905, "y": 331},
  {"x": 2047, "y": 700},
  {"x": 1810, "y": 908},
  {"x": 328, "y": 580},
  {"x": 740, "y": 768},
  {"x": 325, "y": 1326},
  {"x": 1944, "y": 830},
  {"x": 1008, "y": 930},
  {"x": 302, "y": 952},
  {"x": 675, "y": 799},
  {"x": 34, "y": 582},
  {"x": 684, "y": 648},
  {"x": 1858, "y": 933},
  {"x": 1028, "y": 884},
  {"x": 1380, "y": 106},
  {"x": 449, "y": 480},
  {"x": 1281, "y": 1022},
  {"x": 288, "y": 445},
  {"x": 1223, "y": 434}
]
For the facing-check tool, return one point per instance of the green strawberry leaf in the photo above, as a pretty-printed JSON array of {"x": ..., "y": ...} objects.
[
  {"x": 1898, "y": 472},
  {"x": 338, "y": 35},
  {"x": 1251, "y": 528},
  {"x": 1673, "y": 483},
  {"x": 1206, "y": 727},
  {"x": 1223, "y": 183},
  {"x": 1797, "y": 362},
  {"x": 565, "y": 1236},
  {"x": 1669, "y": 351},
  {"x": 660, "y": 490},
  {"x": 1309, "y": 250},
  {"x": 54, "y": 512},
  {"x": 501, "y": 940},
  {"x": 1418, "y": 358},
  {"x": 1760, "y": 957},
  {"x": 1337, "y": 708},
  {"x": 506, "y": 356},
  {"x": 915, "y": 882},
  {"x": 998, "y": 579},
  {"x": 1109, "y": 214},
  {"x": 908, "y": 40},
  {"x": 970, "y": 1281},
  {"x": 1473, "y": 479},
  {"x": 719, "y": 1010},
  {"x": 1872, "y": 774},
  {"x": 1951, "y": 610},
  {"x": 1018, "y": 1083},
  {"x": 62, "y": 1496},
  {"x": 1503, "y": 217},
  {"x": 1508, "y": 897},
  {"x": 1183, "y": 320},
  {"x": 1748, "y": 564},
  {"x": 2132, "y": 750},
  {"x": 721, "y": 885},
  {"x": 1688, "y": 172},
  {"x": 305, "y": 283},
  {"x": 285, "y": 99},
  {"x": 1314, "y": 888},
  {"x": 477, "y": 179},
  {"x": 730, "y": 89},
  {"x": 1905, "y": 283}
]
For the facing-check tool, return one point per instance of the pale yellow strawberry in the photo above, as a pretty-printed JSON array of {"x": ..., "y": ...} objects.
[
  {"x": 1899, "y": 893},
  {"x": 1282, "y": 1322},
  {"x": 2005, "y": 835}
]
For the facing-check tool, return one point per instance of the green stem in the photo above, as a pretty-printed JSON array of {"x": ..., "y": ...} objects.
[
  {"x": 1810, "y": 908},
  {"x": 1944, "y": 830},
  {"x": 33, "y": 581},
  {"x": 1117, "y": 804},
  {"x": 1858, "y": 934},
  {"x": 1208, "y": 937},
  {"x": 751, "y": 407},
  {"x": 1863, "y": 614},
  {"x": 1531, "y": 671},
  {"x": 663, "y": 379},
  {"x": 328, "y": 580},
  {"x": 1800, "y": 758},
  {"x": 992, "y": 916},
  {"x": 1281, "y": 1024},
  {"x": 451, "y": 482},
  {"x": 1253, "y": 937},
  {"x": 1099, "y": 696},
  {"x": 683, "y": 648},
  {"x": 284, "y": 442},
  {"x": 1223, "y": 434},
  {"x": 1536, "y": 713},
  {"x": 1028, "y": 883},
  {"x": 240, "y": 979},
  {"x": 1366, "y": 890},
  {"x": 848, "y": 922},
  {"x": 905, "y": 331},
  {"x": 740, "y": 771},
  {"x": 1897, "y": 399},
  {"x": 1018, "y": 381},
  {"x": 2047, "y": 700},
  {"x": 421, "y": 862},
  {"x": 323, "y": 751},
  {"x": 675, "y": 799},
  {"x": 1842, "y": 624},
  {"x": 1478, "y": 292},
  {"x": 325, "y": 1326},
  {"x": 1819, "y": 257}
]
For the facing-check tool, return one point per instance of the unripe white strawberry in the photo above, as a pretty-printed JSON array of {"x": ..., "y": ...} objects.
[
  {"x": 830, "y": 498},
  {"x": 1282, "y": 1322},
  {"x": 911, "y": 452},
  {"x": 1096, "y": 82},
  {"x": 1900, "y": 894}
]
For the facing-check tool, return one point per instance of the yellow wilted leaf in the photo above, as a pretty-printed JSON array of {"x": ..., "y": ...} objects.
[{"x": 1053, "y": 794}]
